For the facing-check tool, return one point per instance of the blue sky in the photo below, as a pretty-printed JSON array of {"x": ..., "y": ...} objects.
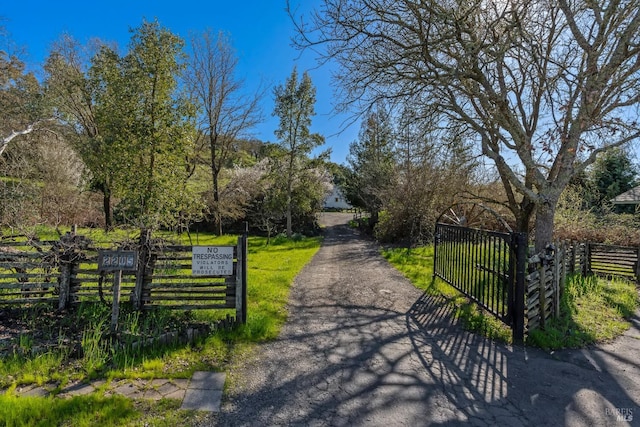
[{"x": 260, "y": 31}]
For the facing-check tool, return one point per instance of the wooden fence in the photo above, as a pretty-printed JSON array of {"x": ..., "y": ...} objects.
[
  {"x": 611, "y": 261},
  {"x": 544, "y": 285},
  {"x": 65, "y": 273},
  {"x": 548, "y": 272},
  {"x": 485, "y": 266}
]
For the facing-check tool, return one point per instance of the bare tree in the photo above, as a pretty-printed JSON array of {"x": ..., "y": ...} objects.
[
  {"x": 228, "y": 113},
  {"x": 545, "y": 85}
]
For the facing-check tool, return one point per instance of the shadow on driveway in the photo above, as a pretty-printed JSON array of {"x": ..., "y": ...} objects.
[{"x": 363, "y": 347}]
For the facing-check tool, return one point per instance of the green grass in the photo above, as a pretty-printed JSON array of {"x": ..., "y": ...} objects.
[
  {"x": 417, "y": 265},
  {"x": 479, "y": 272},
  {"x": 91, "y": 410},
  {"x": 592, "y": 309},
  {"x": 271, "y": 270}
]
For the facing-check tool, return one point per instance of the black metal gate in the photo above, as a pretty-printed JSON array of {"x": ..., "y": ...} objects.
[{"x": 486, "y": 266}]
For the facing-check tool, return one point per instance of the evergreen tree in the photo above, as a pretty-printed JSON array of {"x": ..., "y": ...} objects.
[
  {"x": 371, "y": 158},
  {"x": 295, "y": 106},
  {"x": 612, "y": 174}
]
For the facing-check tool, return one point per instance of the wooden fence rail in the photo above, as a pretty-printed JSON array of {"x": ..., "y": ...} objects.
[
  {"x": 65, "y": 273},
  {"x": 545, "y": 284},
  {"x": 473, "y": 263},
  {"x": 548, "y": 272}
]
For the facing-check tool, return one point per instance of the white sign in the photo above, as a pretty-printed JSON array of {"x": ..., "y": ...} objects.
[{"x": 212, "y": 261}]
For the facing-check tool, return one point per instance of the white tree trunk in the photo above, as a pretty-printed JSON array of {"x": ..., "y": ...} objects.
[{"x": 6, "y": 140}]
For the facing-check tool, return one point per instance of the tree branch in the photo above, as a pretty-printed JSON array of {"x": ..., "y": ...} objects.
[{"x": 4, "y": 143}]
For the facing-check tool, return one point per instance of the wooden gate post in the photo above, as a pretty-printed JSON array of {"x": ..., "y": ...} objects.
[
  {"x": 241, "y": 277},
  {"x": 68, "y": 266},
  {"x": 586, "y": 267},
  {"x": 542, "y": 291},
  {"x": 637, "y": 266},
  {"x": 519, "y": 245},
  {"x": 115, "y": 308},
  {"x": 574, "y": 250},
  {"x": 65, "y": 282},
  {"x": 245, "y": 252},
  {"x": 141, "y": 272}
]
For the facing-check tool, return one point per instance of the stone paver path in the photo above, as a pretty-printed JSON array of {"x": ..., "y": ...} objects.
[{"x": 203, "y": 392}]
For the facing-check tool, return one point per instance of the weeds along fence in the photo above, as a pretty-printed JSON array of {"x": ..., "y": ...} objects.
[
  {"x": 548, "y": 272},
  {"x": 494, "y": 270},
  {"x": 66, "y": 272}
]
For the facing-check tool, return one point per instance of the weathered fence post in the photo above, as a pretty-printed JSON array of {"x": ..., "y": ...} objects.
[
  {"x": 572, "y": 265},
  {"x": 245, "y": 253},
  {"x": 586, "y": 266},
  {"x": 637, "y": 269},
  {"x": 144, "y": 248},
  {"x": 557, "y": 268},
  {"x": 241, "y": 277},
  {"x": 542, "y": 292},
  {"x": 69, "y": 257},
  {"x": 65, "y": 281},
  {"x": 115, "y": 308},
  {"x": 519, "y": 243}
]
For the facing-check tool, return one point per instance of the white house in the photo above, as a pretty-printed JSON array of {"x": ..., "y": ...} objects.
[{"x": 336, "y": 200}]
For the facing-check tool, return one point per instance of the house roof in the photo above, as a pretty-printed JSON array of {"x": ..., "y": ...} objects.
[{"x": 631, "y": 197}]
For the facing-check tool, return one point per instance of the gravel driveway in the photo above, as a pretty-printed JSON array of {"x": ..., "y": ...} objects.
[{"x": 363, "y": 347}]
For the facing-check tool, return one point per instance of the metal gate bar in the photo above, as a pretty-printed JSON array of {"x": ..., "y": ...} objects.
[{"x": 484, "y": 266}]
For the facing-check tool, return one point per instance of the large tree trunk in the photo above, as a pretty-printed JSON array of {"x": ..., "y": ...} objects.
[
  {"x": 374, "y": 216},
  {"x": 103, "y": 187},
  {"x": 545, "y": 213},
  {"x": 524, "y": 212}
]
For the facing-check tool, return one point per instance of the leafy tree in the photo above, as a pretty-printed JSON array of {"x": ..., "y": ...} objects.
[
  {"x": 545, "y": 86},
  {"x": 70, "y": 68},
  {"x": 152, "y": 127},
  {"x": 340, "y": 173},
  {"x": 21, "y": 98},
  {"x": 612, "y": 173},
  {"x": 295, "y": 105},
  {"x": 134, "y": 124},
  {"x": 226, "y": 113},
  {"x": 371, "y": 158},
  {"x": 268, "y": 205}
]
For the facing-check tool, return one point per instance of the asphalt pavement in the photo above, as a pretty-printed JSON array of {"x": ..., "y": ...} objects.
[{"x": 363, "y": 347}]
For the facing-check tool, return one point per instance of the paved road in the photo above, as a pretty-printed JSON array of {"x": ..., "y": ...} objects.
[{"x": 363, "y": 347}]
